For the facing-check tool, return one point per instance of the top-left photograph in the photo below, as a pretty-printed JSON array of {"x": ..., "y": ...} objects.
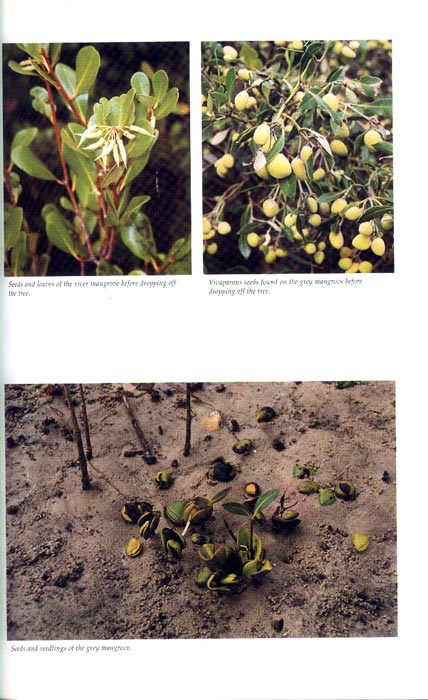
[{"x": 96, "y": 142}]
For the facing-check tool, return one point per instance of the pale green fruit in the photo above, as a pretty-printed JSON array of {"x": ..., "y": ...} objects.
[
  {"x": 262, "y": 135},
  {"x": 324, "y": 208},
  {"x": 270, "y": 256},
  {"x": 299, "y": 169},
  {"x": 372, "y": 137},
  {"x": 354, "y": 45},
  {"x": 336, "y": 239},
  {"x": 290, "y": 220},
  {"x": 312, "y": 205},
  {"x": 360, "y": 541},
  {"x": 241, "y": 100},
  {"x": 322, "y": 245},
  {"x": 345, "y": 263},
  {"x": 270, "y": 207},
  {"x": 345, "y": 252},
  {"x": 348, "y": 52},
  {"x": 344, "y": 132},
  {"x": 361, "y": 242},
  {"x": 315, "y": 220},
  {"x": 206, "y": 225},
  {"x": 378, "y": 246},
  {"x": 244, "y": 74},
  {"x": 310, "y": 248},
  {"x": 318, "y": 174},
  {"x": 353, "y": 213},
  {"x": 319, "y": 257},
  {"x": 209, "y": 234},
  {"x": 338, "y": 205},
  {"x": 212, "y": 249},
  {"x": 279, "y": 167},
  {"x": 366, "y": 228},
  {"x": 306, "y": 153},
  {"x": 253, "y": 239},
  {"x": 387, "y": 222},
  {"x": 339, "y": 148},
  {"x": 224, "y": 228},
  {"x": 262, "y": 172},
  {"x": 365, "y": 266},
  {"x": 229, "y": 53},
  {"x": 331, "y": 100}
]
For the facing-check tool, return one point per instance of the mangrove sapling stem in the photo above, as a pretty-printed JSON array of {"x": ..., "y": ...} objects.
[
  {"x": 86, "y": 424},
  {"x": 86, "y": 484},
  {"x": 148, "y": 456},
  {"x": 186, "y": 450}
]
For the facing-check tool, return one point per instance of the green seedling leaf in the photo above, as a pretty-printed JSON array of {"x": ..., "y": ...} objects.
[
  {"x": 87, "y": 67},
  {"x": 160, "y": 85},
  {"x": 168, "y": 104},
  {"x": 264, "y": 500},
  {"x": 59, "y": 233},
  {"x": 220, "y": 495},
  {"x": 133, "y": 208},
  {"x": 236, "y": 508},
  {"x": 25, "y": 159},
  {"x": 141, "y": 84},
  {"x": 12, "y": 228},
  {"x": 24, "y": 137}
]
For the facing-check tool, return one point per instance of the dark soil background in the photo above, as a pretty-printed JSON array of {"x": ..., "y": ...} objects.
[{"x": 68, "y": 576}]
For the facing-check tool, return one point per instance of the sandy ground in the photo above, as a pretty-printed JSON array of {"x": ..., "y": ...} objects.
[{"x": 68, "y": 576}]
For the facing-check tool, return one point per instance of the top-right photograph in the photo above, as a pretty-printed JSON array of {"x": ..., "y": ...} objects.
[{"x": 297, "y": 157}]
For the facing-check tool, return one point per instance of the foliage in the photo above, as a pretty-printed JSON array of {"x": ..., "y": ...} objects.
[
  {"x": 90, "y": 196},
  {"x": 297, "y": 157}
]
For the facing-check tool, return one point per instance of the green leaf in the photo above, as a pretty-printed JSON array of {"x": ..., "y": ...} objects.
[
  {"x": 19, "y": 255},
  {"x": 122, "y": 109},
  {"x": 105, "y": 268},
  {"x": 277, "y": 148},
  {"x": 24, "y": 137},
  {"x": 67, "y": 78},
  {"x": 220, "y": 495},
  {"x": 139, "y": 239},
  {"x": 12, "y": 228},
  {"x": 25, "y": 159},
  {"x": 382, "y": 107},
  {"x": 167, "y": 105},
  {"x": 180, "y": 248},
  {"x": 160, "y": 84},
  {"x": 87, "y": 67},
  {"x": 54, "y": 53},
  {"x": 141, "y": 84},
  {"x": 41, "y": 102},
  {"x": 236, "y": 508},
  {"x": 59, "y": 233},
  {"x": 250, "y": 58},
  {"x": 384, "y": 147},
  {"x": 14, "y": 65},
  {"x": 376, "y": 212},
  {"x": 84, "y": 168},
  {"x": 264, "y": 500}
]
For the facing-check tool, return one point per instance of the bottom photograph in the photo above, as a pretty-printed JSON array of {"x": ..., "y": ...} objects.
[{"x": 201, "y": 510}]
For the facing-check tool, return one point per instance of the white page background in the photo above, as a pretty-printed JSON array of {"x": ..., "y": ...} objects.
[{"x": 377, "y": 331}]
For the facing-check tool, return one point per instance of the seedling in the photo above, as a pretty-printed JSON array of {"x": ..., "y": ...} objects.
[{"x": 261, "y": 503}]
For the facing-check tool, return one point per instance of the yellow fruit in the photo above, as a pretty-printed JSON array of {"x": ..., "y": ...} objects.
[
  {"x": 310, "y": 248},
  {"x": 299, "y": 169},
  {"x": 318, "y": 174},
  {"x": 212, "y": 249},
  {"x": 228, "y": 160},
  {"x": 322, "y": 245},
  {"x": 279, "y": 167},
  {"x": 252, "y": 102},
  {"x": 348, "y": 52},
  {"x": 210, "y": 234},
  {"x": 244, "y": 74},
  {"x": 371, "y": 137},
  {"x": 241, "y": 100},
  {"x": 365, "y": 266},
  {"x": 345, "y": 252},
  {"x": 281, "y": 253},
  {"x": 290, "y": 220},
  {"x": 361, "y": 242},
  {"x": 270, "y": 207},
  {"x": 296, "y": 45},
  {"x": 315, "y": 220},
  {"x": 338, "y": 205},
  {"x": 312, "y": 204},
  {"x": 353, "y": 213},
  {"x": 344, "y": 131},
  {"x": 378, "y": 246},
  {"x": 324, "y": 208},
  {"x": 223, "y": 228},
  {"x": 331, "y": 100},
  {"x": 206, "y": 225},
  {"x": 306, "y": 153},
  {"x": 230, "y": 52},
  {"x": 354, "y": 45},
  {"x": 387, "y": 222},
  {"x": 353, "y": 268},
  {"x": 336, "y": 239},
  {"x": 345, "y": 263},
  {"x": 366, "y": 228},
  {"x": 253, "y": 239},
  {"x": 337, "y": 48},
  {"x": 270, "y": 256},
  {"x": 261, "y": 134},
  {"x": 319, "y": 257},
  {"x": 221, "y": 170},
  {"x": 262, "y": 172},
  {"x": 339, "y": 148}
]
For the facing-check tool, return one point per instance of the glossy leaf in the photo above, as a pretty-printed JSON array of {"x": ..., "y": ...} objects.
[
  {"x": 12, "y": 228},
  {"x": 87, "y": 67},
  {"x": 24, "y": 137},
  {"x": 67, "y": 78},
  {"x": 59, "y": 233},
  {"x": 139, "y": 240},
  {"x": 122, "y": 109},
  {"x": 264, "y": 500},
  {"x": 141, "y": 84},
  {"x": 25, "y": 159},
  {"x": 168, "y": 104},
  {"x": 160, "y": 85},
  {"x": 133, "y": 207},
  {"x": 236, "y": 508}
]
